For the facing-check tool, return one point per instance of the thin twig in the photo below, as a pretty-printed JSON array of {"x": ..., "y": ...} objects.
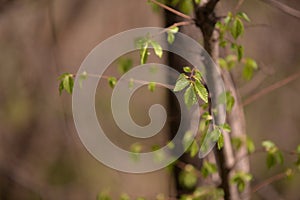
[
  {"x": 171, "y": 87},
  {"x": 176, "y": 12},
  {"x": 271, "y": 88},
  {"x": 284, "y": 8},
  {"x": 268, "y": 181},
  {"x": 238, "y": 5}
]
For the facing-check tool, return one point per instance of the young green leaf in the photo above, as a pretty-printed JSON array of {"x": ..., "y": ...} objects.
[
  {"x": 194, "y": 148},
  {"x": 208, "y": 169},
  {"x": 243, "y": 16},
  {"x": 201, "y": 91},
  {"x": 236, "y": 143},
  {"x": 124, "y": 196},
  {"x": 250, "y": 145},
  {"x": 240, "y": 179},
  {"x": 188, "y": 177},
  {"x": 251, "y": 63},
  {"x": 274, "y": 156},
  {"x": 222, "y": 63},
  {"x": 103, "y": 196},
  {"x": 171, "y": 38},
  {"x": 171, "y": 34},
  {"x": 124, "y": 65},
  {"x": 68, "y": 83},
  {"x": 249, "y": 67},
  {"x": 144, "y": 53},
  {"x": 181, "y": 83},
  {"x": 240, "y": 52},
  {"x": 187, "y": 69},
  {"x": 237, "y": 28},
  {"x": 173, "y": 29},
  {"x": 151, "y": 86},
  {"x": 157, "y": 48},
  {"x": 112, "y": 81},
  {"x": 220, "y": 141},
  {"x": 135, "y": 150},
  {"x": 61, "y": 87},
  {"x": 225, "y": 127},
  {"x": 190, "y": 97}
]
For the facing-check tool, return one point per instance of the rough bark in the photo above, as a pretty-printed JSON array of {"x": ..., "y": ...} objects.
[{"x": 226, "y": 158}]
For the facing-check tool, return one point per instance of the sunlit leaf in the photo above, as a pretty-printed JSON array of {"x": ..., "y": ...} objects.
[
  {"x": 190, "y": 97},
  {"x": 181, "y": 83}
]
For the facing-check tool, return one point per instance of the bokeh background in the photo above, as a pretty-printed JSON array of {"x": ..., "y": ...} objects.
[{"x": 41, "y": 156}]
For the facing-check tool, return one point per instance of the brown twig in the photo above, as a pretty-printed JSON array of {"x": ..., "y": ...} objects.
[
  {"x": 176, "y": 12},
  {"x": 238, "y": 5},
  {"x": 271, "y": 88},
  {"x": 268, "y": 181},
  {"x": 284, "y": 8}
]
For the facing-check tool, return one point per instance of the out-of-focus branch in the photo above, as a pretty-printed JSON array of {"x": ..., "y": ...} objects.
[
  {"x": 284, "y": 8},
  {"x": 271, "y": 88},
  {"x": 176, "y": 12},
  {"x": 269, "y": 181}
]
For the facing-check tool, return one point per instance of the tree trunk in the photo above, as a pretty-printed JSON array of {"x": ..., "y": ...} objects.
[
  {"x": 226, "y": 157},
  {"x": 206, "y": 19}
]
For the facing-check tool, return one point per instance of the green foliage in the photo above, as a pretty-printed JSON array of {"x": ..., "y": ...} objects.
[
  {"x": 103, "y": 196},
  {"x": 216, "y": 136},
  {"x": 124, "y": 196},
  {"x": 157, "y": 48},
  {"x": 225, "y": 127},
  {"x": 220, "y": 142},
  {"x": 227, "y": 98},
  {"x": 181, "y": 83},
  {"x": 171, "y": 34},
  {"x": 187, "y": 139},
  {"x": 236, "y": 143},
  {"x": 201, "y": 91},
  {"x": 151, "y": 86},
  {"x": 237, "y": 28},
  {"x": 194, "y": 149},
  {"x": 188, "y": 177},
  {"x": 240, "y": 179},
  {"x": 249, "y": 67},
  {"x": 274, "y": 156},
  {"x": 297, "y": 163},
  {"x": 204, "y": 193},
  {"x": 190, "y": 97},
  {"x": 243, "y": 16},
  {"x": 144, "y": 53},
  {"x": 187, "y": 69},
  {"x": 143, "y": 44},
  {"x": 135, "y": 150},
  {"x": 208, "y": 169},
  {"x": 112, "y": 81},
  {"x": 124, "y": 65},
  {"x": 66, "y": 83},
  {"x": 195, "y": 89},
  {"x": 250, "y": 145}
]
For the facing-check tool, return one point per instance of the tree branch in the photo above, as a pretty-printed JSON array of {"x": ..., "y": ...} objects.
[
  {"x": 271, "y": 88},
  {"x": 284, "y": 8},
  {"x": 268, "y": 181},
  {"x": 176, "y": 12}
]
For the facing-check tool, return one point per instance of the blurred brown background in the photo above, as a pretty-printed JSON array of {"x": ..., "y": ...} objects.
[{"x": 41, "y": 156}]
